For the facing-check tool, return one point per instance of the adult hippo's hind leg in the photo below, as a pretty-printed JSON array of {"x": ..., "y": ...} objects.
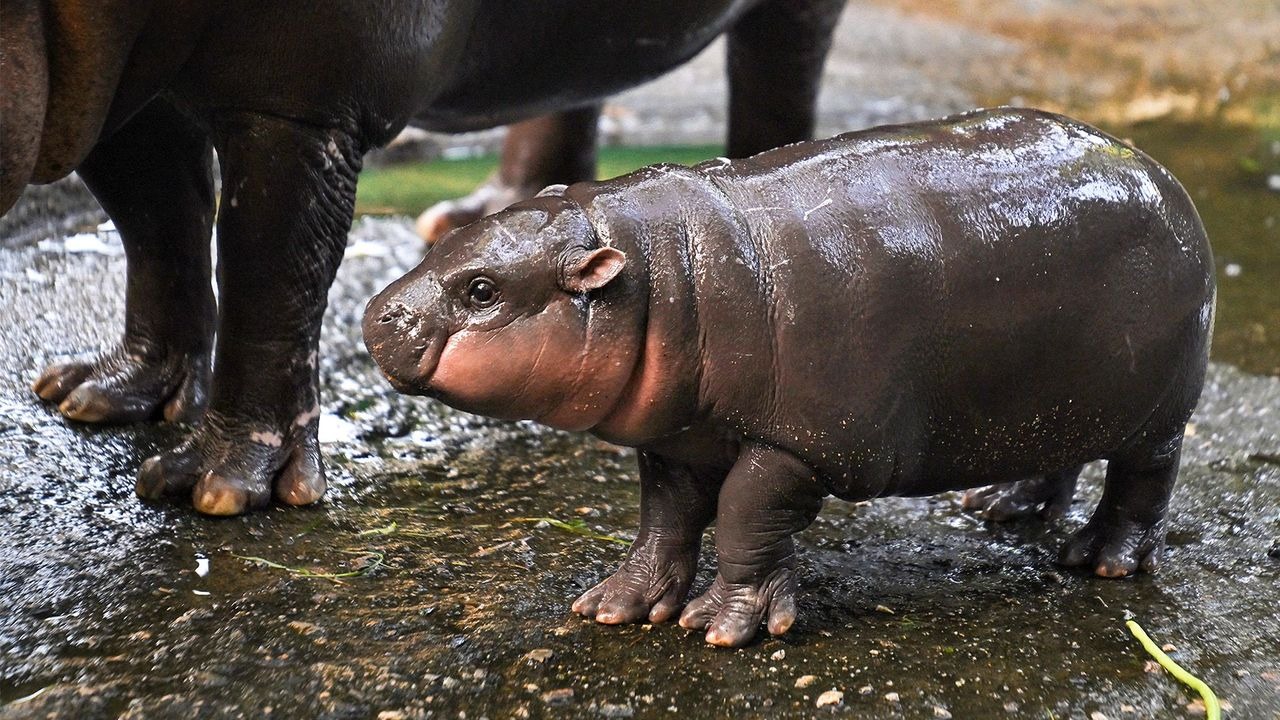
[
  {"x": 555, "y": 148},
  {"x": 769, "y": 496},
  {"x": 677, "y": 502},
  {"x": 775, "y": 57},
  {"x": 153, "y": 177},
  {"x": 289, "y": 191},
  {"x": 1049, "y": 496}
]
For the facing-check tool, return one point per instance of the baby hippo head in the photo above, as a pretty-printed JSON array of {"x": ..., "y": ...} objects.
[{"x": 503, "y": 318}]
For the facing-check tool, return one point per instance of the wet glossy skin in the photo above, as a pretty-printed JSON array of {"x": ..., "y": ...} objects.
[
  {"x": 1000, "y": 295},
  {"x": 134, "y": 95}
]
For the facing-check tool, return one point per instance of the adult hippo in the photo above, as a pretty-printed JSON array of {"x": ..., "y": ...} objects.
[{"x": 132, "y": 95}]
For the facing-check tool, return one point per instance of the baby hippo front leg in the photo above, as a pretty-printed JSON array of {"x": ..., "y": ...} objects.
[
  {"x": 677, "y": 503},
  {"x": 769, "y": 496}
]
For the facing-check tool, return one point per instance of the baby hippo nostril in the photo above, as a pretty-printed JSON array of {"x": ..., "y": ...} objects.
[
  {"x": 399, "y": 315},
  {"x": 393, "y": 313}
]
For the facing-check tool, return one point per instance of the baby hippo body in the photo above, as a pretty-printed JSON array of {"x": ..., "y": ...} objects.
[{"x": 994, "y": 298}]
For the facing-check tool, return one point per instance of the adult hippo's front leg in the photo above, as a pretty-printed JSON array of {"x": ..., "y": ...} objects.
[
  {"x": 288, "y": 197},
  {"x": 769, "y": 496},
  {"x": 154, "y": 179}
]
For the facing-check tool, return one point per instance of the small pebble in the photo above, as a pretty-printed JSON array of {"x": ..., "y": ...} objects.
[
  {"x": 941, "y": 712},
  {"x": 866, "y": 690},
  {"x": 805, "y": 681},
  {"x": 778, "y": 655},
  {"x": 891, "y": 697},
  {"x": 830, "y": 697},
  {"x": 540, "y": 655},
  {"x": 563, "y": 696},
  {"x": 1097, "y": 715},
  {"x": 615, "y": 710}
]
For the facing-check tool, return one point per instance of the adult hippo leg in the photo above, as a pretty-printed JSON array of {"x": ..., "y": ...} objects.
[
  {"x": 288, "y": 195},
  {"x": 154, "y": 178},
  {"x": 775, "y": 58},
  {"x": 555, "y": 148},
  {"x": 677, "y": 503},
  {"x": 769, "y": 496},
  {"x": 1049, "y": 495}
]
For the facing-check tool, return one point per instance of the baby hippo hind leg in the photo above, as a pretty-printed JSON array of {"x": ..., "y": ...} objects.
[
  {"x": 1047, "y": 495},
  {"x": 769, "y": 496},
  {"x": 1127, "y": 530},
  {"x": 677, "y": 503}
]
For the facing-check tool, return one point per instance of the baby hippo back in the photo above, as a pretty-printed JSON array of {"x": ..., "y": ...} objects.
[{"x": 927, "y": 307}]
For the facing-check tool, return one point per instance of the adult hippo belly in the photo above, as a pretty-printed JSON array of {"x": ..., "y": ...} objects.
[{"x": 133, "y": 95}]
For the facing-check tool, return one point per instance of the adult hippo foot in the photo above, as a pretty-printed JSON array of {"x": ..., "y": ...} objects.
[
  {"x": 230, "y": 468},
  {"x": 1116, "y": 547},
  {"x": 1049, "y": 496},
  {"x": 128, "y": 384},
  {"x": 651, "y": 585},
  {"x": 492, "y": 196},
  {"x": 731, "y": 613}
]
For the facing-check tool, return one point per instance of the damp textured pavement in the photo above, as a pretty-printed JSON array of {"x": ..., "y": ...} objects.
[{"x": 455, "y": 596}]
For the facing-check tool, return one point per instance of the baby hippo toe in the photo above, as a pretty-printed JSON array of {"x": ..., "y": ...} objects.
[
  {"x": 1115, "y": 549},
  {"x": 650, "y": 585},
  {"x": 731, "y": 613}
]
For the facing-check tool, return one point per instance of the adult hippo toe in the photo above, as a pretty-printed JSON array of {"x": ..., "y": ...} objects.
[
  {"x": 133, "y": 94},
  {"x": 1000, "y": 296}
]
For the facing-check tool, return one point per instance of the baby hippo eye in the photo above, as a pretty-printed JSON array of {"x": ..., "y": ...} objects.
[{"x": 482, "y": 293}]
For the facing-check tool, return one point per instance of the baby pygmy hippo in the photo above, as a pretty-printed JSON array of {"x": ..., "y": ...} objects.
[{"x": 999, "y": 296}]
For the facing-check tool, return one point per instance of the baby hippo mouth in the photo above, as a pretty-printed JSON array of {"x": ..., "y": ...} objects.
[{"x": 406, "y": 350}]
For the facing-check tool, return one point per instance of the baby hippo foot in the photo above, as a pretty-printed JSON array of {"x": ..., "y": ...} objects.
[
  {"x": 1049, "y": 496},
  {"x": 128, "y": 384},
  {"x": 489, "y": 198},
  {"x": 1115, "y": 547},
  {"x": 230, "y": 468},
  {"x": 731, "y": 613},
  {"x": 651, "y": 584}
]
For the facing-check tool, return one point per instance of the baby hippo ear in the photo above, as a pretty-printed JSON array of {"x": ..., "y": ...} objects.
[{"x": 588, "y": 270}]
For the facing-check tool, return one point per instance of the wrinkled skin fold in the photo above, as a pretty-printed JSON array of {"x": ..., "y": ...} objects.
[
  {"x": 996, "y": 298},
  {"x": 135, "y": 95}
]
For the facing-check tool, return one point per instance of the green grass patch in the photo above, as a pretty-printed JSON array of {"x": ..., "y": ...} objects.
[{"x": 409, "y": 189}]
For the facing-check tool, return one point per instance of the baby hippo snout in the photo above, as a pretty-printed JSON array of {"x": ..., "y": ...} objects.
[{"x": 400, "y": 341}]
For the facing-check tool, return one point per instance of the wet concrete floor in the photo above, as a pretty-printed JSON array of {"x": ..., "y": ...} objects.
[{"x": 455, "y": 599}]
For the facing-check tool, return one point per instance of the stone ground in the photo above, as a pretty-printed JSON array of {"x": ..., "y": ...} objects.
[{"x": 455, "y": 594}]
